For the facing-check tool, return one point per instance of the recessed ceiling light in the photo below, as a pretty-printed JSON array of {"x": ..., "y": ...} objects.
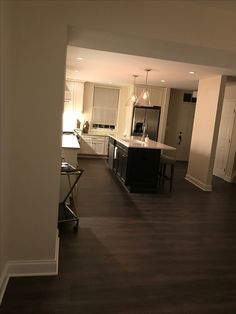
[
  {"x": 76, "y": 71},
  {"x": 79, "y": 58},
  {"x": 191, "y": 72},
  {"x": 163, "y": 81},
  {"x": 109, "y": 82}
]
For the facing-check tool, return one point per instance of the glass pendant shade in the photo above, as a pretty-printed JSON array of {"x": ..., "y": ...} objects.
[
  {"x": 144, "y": 97},
  {"x": 134, "y": 97}
]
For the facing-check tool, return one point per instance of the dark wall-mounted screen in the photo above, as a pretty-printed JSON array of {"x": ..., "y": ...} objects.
[{"x": 188, "y": 97}]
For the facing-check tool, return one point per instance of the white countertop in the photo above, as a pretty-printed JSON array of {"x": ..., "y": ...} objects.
[
  {"x": 135, "y": 142},
  {"x": 95, "y": 132},
  {"x": 70, "y": 141}
]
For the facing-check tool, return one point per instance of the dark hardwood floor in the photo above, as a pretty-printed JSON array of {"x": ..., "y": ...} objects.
[{"x": 164, "y": 253}]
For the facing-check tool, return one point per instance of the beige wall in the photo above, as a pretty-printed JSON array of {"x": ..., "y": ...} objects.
[
  {"x": 124, "y": 119},
  {"x": 88, "y": 101},
  {"x": 31, "y": 107},
  {"x": 230, "y": 91},
  {"x": 164, "y": 114},
  {"x": 231, "y": 166},
  {"x": 3, "y": 147},
  {"x": 185, "y": 39},
  {"x": 32, "y": 112}
]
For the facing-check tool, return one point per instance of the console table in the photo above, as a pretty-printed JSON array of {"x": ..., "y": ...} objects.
[{"x": 68, "y": 208}]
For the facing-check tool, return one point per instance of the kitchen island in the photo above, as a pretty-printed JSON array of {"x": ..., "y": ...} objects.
[{"x": 136, "y": 162}]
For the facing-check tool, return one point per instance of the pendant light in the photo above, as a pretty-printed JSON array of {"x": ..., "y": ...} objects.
[
  {"x": 144, "y": 97},
  {"x": 134, "y": 96}
]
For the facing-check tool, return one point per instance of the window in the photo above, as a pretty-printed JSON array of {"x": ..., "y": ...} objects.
[{"x": 105, "y": 107}]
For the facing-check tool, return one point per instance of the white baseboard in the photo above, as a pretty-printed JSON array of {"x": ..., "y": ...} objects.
[
  {"x": 228, "y": 179},
  {"x": 218, "y": 173},
  {"x": 223, "y": 176},
  {"x": 3, "y": 283},
  {"x": 198, "y": 183},
  {"x": 29, "y": 268}
]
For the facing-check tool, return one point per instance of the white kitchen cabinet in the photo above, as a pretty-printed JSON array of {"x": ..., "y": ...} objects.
[
  {"x": 93, "y": 145},
  {"x": 74, "y": 96},
  {"x": 98, "y": 147}
]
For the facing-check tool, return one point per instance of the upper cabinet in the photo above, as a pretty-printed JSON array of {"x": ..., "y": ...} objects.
[
  {"x": 74, "y": 95},
  {"x": 156, "y": 95}
]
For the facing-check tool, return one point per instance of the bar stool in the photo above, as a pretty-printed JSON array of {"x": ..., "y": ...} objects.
[{"x": 166, "y": 171}]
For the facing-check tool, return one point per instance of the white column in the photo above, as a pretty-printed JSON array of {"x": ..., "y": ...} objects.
[
  {"x": 205, "y": 131},
  {"x": 164, "y": 113}
]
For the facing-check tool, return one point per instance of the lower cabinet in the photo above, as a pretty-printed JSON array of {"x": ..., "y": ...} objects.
[
  {"x": 111, "y": 151},
  {"x": 142, "y": 169},
  {"x": 93, "y": 145},
  {"x": 97, "y": 147},
  {"x": 137, "y": 168},
  {"x": 121, "y": 161}
]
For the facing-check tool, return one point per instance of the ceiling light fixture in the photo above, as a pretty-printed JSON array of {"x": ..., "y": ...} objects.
[
  {"x": 144, "y": 96},
  {"x": 163, "y": 81},
  {"x": 134, "y": 96},
  {"x": 191, "y": 72},
  {"x": 79, "y": 58}
]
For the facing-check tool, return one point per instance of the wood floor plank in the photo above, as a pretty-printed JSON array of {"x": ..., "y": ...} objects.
[{"x": 167, "y": 253}]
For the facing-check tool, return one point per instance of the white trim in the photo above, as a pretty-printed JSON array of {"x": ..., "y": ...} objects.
[
  {"x": 29, "y": 268},
  {"x": 3, "y": 283},
  {"x": 198, "y": 183},
  {"x": 228, "y": 179},
  {"x": 35, "y": 267},
  {"x": 222, "y": 175},
  {"x": 219, "y": 173}
]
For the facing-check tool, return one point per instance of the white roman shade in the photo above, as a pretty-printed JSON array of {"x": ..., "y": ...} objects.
[{"x": 105, "y": 105}]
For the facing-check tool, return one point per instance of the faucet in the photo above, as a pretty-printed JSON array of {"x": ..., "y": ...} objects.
[{"x": 144, "y": 132}]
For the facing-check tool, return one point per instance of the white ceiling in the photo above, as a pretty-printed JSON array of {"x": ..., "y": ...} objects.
[{"x": 105, "y": 67}]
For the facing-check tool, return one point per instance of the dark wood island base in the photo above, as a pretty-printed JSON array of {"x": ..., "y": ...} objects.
[{"x": 136, "y": 163}]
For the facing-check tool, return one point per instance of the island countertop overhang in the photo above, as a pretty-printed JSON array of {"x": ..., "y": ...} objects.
[{"x": 135, "y": 142}]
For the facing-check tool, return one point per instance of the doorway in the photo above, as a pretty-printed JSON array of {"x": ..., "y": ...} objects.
[
  {"x": 180, "y": 124},
  {"x": 225, "y": 140}
]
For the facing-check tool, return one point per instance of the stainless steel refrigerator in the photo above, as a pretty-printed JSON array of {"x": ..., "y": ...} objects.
[{"x": 146, "y": 120}]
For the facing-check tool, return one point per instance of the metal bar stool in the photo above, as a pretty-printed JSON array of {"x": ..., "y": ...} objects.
[{"x": 166, "y": 171}]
